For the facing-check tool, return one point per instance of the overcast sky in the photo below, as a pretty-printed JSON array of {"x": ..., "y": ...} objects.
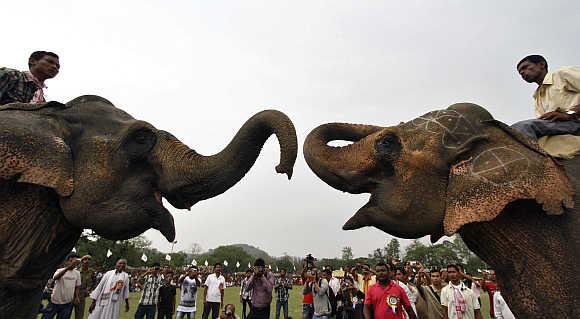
[{"x": 200, "y": 69}]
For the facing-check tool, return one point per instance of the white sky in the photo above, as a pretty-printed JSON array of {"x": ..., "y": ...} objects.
[{"x": 199, "y": 69}]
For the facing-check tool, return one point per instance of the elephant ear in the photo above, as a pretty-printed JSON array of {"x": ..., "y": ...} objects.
[
  {"x": 32, "y": 149},
  {"x": 508, "y": 167}
]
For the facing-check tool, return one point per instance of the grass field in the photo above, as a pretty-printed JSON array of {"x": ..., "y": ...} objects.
[{"x": 232, "y": 296}]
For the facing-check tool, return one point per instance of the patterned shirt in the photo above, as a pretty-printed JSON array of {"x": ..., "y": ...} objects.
[
  {"x": 16, "y": 86},
  {"x": 151, "y": 287},
  {"x": 282, "y": 285}
]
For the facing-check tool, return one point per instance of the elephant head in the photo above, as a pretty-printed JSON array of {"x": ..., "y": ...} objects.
[
  {"x": 110, "y": 171},
  {"x": 436, "y": 173}
]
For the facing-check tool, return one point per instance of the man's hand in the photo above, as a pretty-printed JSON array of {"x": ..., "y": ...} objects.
[
  {"x": 558, "y": 116},
  {"x": 92, "y": 306},
  {"x": 77, "y": 300}
]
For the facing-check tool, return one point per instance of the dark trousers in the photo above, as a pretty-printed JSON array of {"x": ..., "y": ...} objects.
[
  {"x": 145, "y": 311},
  {"x": 536, "y": 128},
  {"x": 307, "y": 311},
  {"x": 164, "y": 313},
  {"x": 245, "y": 302},
  {"x": 80, "y": 308},
  {"x": 259, "y": 313},
  {"x": 60, "y": 311},
  {"x": 214, "y": 307},
  {"x": 284, "y": 305}
]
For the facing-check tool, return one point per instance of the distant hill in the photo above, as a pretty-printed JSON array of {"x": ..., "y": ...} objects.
[{"x": 253, "y": 251}]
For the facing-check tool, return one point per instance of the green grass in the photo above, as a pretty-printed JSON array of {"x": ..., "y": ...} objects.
[{"x": 232, "y": 296}]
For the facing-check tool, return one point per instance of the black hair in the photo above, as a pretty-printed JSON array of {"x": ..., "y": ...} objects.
[
  {"x": 401, "y": 269},
  {"x": 193, "y": 268},
  {"x": 383, "y": 264},
  {"x": 453, "y": 266},
  {"x": 328, "y": 267},
  {"x": 72, "y": 255},
  {"x": 260, "y": 262},
  {"x": 248, "y": 271},
  {"x": 327, "y": 271},
  {"x": 37, "y": 55},
  {"x": 217, "y": 264},
  {"x": 435, "y": 270},
  {"x": 534, "y": 58}
]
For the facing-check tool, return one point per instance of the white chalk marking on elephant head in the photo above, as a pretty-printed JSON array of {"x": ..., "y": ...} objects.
[
  {"x": 454, "y": 128},
  {"x": 494, "y": 164}
]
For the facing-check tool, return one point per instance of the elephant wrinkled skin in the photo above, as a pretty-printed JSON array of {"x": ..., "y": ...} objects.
[
  {"x": 459, "y": 170},
  {"x": 87, "y": 164}
]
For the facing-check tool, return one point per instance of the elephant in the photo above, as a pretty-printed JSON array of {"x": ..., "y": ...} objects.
[
  {"x": 87, "y": 164},
  {"x": 458, "y": 170}
]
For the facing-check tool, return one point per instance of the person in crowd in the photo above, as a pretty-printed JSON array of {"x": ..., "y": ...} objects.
[
  {"x": 402, "y": 279},
  {"x": 261, "y": 283},
  {"x": 165, "y": 269},
  {"x": 430, "y": 290},
  {"x": 500, "y": 307},
  {"x": 188, "y": 284},
  {"x": 353, "y": 273},
  {"x": 333, "y": 282},
  {"x": 349, "y": 297},
  {"x": 366, "y": 279},
  {"x": 245, "y": 293},
  {"x": 229, "y": 312},
  {"x": 308, "y": 276},
  {"x": 88, "y": 283},
  {"x": 458, "y": 300},
  {"x": 67, "y": 281},
  {"x": 213, "y": 293},
  {"x": 386, "y": 299},
  {"x": 556, "y": 99},
  {"x": 281, "y": 286},
  {"x": 46, "y": 293},
  {"x": 322, "y": 307},
  {"x": 490, "y": 286},
  {"x": 150, "y": 282},
  {"x": 167, "y": 292},
  {"x": 28, "y": 86},
  {"x": 107, "y": 296}
]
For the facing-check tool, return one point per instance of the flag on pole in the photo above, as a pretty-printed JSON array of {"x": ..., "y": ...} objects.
[
  {"x": 277, "y": 269},
  {"x": 341, "y": 269},
  {"x": 225, "y": 263},
  {"x": 109, "y": 253},
  {"x": 294, "y": 267},
  {"x": 249, "y": 265},
  {"x": 205, "y": 263},
  {"x": 74, "y": 250},
  {"x": 478, "y": 270},
  {"x": 144, "y": 258},
  {"x": 167, "y": 257},
  {"x": 237, "y": 264},
  {"x": 194, "y": 263}
]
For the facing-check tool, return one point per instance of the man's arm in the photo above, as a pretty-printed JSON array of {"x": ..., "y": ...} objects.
[
  {"x": 268, "y": 281},
  {"x": 445, "y": 312},
  {"x": 368, "y": 311},
  {"x": 478, "y": 314},
  {"x": 61, "y": 273}
]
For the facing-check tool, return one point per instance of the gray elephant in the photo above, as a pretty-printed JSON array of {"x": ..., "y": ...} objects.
[
  {"x": 459, "y": 170},
  {"x": 87, "y": 164}
]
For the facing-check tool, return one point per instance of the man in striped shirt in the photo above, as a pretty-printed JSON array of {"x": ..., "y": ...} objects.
[{"x": 151, "y": 281}]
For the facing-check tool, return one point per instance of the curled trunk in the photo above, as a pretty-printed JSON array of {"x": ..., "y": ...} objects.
[
  {"x": 341, "y": 167},
  {"x": 188, "y": 177}
]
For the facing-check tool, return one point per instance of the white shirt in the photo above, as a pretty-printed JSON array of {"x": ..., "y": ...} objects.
[
  {"x": 213, "y": 287},
  {"x": 447, "y": 300},
  {"x": 500, "y": 307},
  {"x": 334, "y": 284},
  {"x": 64, "y": 288},
  {"x": 476, "y": 290}
]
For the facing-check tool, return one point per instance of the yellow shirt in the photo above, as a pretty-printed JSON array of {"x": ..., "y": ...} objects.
[
  {"x": 364, "y": 284},
  {"x": 560, "y": 90}
]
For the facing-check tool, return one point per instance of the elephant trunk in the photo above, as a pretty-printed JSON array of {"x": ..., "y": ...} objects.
[
  {"x": 187, "y": 177},
  {"x": 343, "y": 168}
]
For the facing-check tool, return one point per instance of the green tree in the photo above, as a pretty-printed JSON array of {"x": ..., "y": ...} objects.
[
  {"x": 347, "y": 253},
  {"x": 230, "y": 253},
  {"x": 393, "y": 249}
]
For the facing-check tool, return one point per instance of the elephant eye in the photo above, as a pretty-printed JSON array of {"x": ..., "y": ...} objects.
[
  {"x": 388, "y": 145},
  {"x": 140, "y": 142}
]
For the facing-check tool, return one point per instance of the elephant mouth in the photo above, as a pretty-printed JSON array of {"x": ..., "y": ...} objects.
[{"x": 162, "y": 218}]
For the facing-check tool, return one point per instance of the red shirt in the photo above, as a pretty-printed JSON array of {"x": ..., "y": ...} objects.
[
  {"x": 378, "y": 296},
  {"x": 491, "y": 288},
  {"x": 308, "y": 298}
]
